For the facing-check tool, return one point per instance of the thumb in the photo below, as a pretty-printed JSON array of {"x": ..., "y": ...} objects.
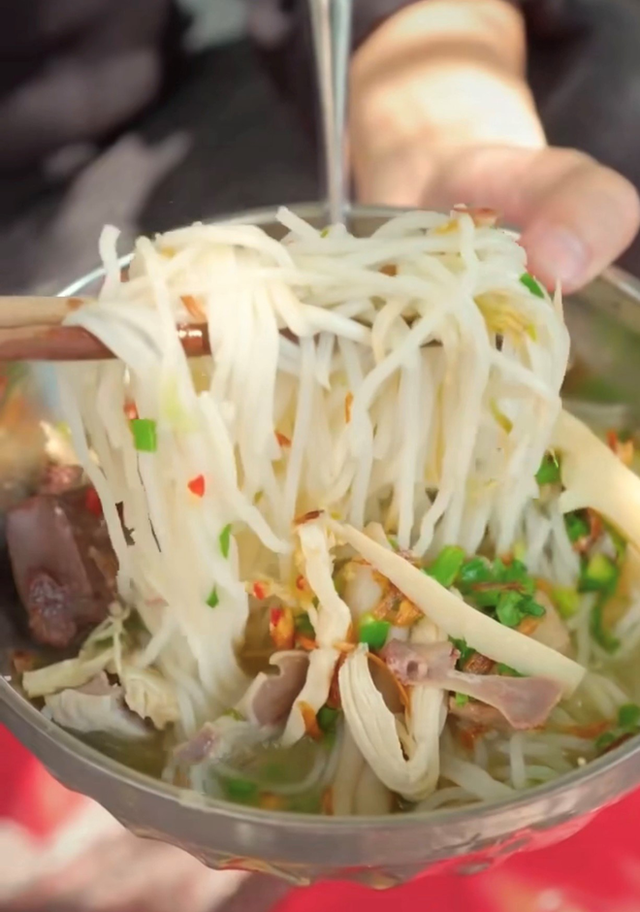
[{"x": 576, "y": 216}]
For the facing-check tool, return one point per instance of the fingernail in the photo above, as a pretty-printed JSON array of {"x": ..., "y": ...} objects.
[{"x": 558, "y": 253}]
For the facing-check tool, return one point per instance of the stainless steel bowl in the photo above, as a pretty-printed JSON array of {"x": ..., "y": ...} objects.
[{"x": 605, "y": 323}]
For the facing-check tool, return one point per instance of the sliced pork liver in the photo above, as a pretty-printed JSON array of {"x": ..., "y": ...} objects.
[{"x": 63, "y": 564}]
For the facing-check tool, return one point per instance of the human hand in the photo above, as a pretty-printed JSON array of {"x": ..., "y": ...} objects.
[{"x": 441, "y": 114}]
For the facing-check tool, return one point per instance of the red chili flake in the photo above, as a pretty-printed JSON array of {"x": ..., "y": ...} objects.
[
  {"x": 92, "y": 502},
  {"x": 260, "y": 591},
  {"x": 348, "y": 402},
  {"x": 301, "y": 583},
  {"x": 275, "y": 616},
  {"x": 131, "y": 410},
  {"x": 197, "y": 486},
  {"x": 282, "y": 440}
]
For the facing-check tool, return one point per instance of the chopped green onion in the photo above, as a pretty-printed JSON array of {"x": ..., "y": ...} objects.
[
  {"x": 516, "y": 572},
  {"x": 577, "y": 526},
  {"x": 529, "y": 282},
  {"x": 629, "y": 716},
  {"x": 446, "y": 566},
  {"x": 461, "y": 699},
  {"x": 600, "y": 634},
  {"x": 241, "y": 789},
  {"x": 529, "y": 606},
  {"x": 213, "y": 601},
  {"x": 599, "y": 574},
  {"x": 475, "y": 570},
  {"x": 566, "y": 600},
  {"x": 549, "y": 471},
  {"x": 605, "y": 740},
  {"x": 508, "y": 608},
  {"x": 393, "y": 541},
  {"x": 225, "y": 540},
  {"x": 507, "y": 671},
  {"x": 372, "y": 631},
  {"x": 145, "y": 438},
  {"x": 512, "y": 607},
  {"x": 327, "y": 719},
  {"x": 303, "y": 625},
  {"x": 324, "y": 233}
]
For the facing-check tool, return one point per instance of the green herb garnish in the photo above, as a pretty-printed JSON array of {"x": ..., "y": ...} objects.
[
  {"x": 600, "y": 634},
  {"x": 566, "y": 600},
  {"x": 446, "y": 566},
  {"x": 507, "y": 609},
  {"x": 599, "y": 574},
  {"x": 461, "y": 699},
  {"x": 577, "y": 526},
  {"x": 225, "y": 540},
  {"x": 605, "y": 740},
  {"x": 534, "y": 287},
  {"x": 213, "y": 600},
  {"x": 241, "y": 790},
  {"x": 373, "y": 631},
  {"x": 628, "y": 724},
  {"x": 327, "y": 719},
  {"x": 629, "y": 716},
  {"x": 144, "y": 432},
  {"x": 549, "y": 471}
]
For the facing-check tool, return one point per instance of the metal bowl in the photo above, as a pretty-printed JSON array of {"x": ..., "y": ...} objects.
[{"x": 605, "y": 324}]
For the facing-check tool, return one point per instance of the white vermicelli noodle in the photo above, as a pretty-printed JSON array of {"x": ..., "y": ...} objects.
[{"x": 410, "y": 379}]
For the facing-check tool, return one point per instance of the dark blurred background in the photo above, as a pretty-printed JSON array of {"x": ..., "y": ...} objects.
[
  {"x": 206, "y": 134},
  {"x": 152, "y": 113}
]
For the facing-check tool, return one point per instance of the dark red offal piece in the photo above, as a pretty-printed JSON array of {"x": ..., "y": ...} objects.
[{"x": 63, "y": 564}]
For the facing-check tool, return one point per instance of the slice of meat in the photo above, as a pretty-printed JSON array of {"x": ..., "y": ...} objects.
[
  {"x": 478, "y": 715},
  {"x": 270, "y": 696},
  {"x": 416, "y": 663},
  {"x": 524, "y": 702},
  {"x": 63, "y": 565}
]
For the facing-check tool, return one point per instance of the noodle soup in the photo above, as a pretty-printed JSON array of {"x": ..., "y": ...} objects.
[{"x": 358, "y": 561}]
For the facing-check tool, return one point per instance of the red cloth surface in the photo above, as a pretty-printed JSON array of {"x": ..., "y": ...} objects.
[{"x": 596, "y": 870}]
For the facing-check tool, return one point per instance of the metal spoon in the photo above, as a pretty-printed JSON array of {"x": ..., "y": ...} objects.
[{"x": 331, "y": 23}]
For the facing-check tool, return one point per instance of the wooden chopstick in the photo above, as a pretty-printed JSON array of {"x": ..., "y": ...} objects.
[
  {"x": 30, "y": 330},
  {"x": 18, "y": 312}
]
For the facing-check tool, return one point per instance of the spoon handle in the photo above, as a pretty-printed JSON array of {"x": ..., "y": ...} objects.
[{"x": 331, "y": 22}]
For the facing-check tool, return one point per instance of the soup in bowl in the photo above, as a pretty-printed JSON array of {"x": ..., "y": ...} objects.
[{"x": 355, "y": 586}]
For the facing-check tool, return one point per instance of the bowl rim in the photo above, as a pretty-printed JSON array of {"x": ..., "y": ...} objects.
[{"x": 545, "y": 796}]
